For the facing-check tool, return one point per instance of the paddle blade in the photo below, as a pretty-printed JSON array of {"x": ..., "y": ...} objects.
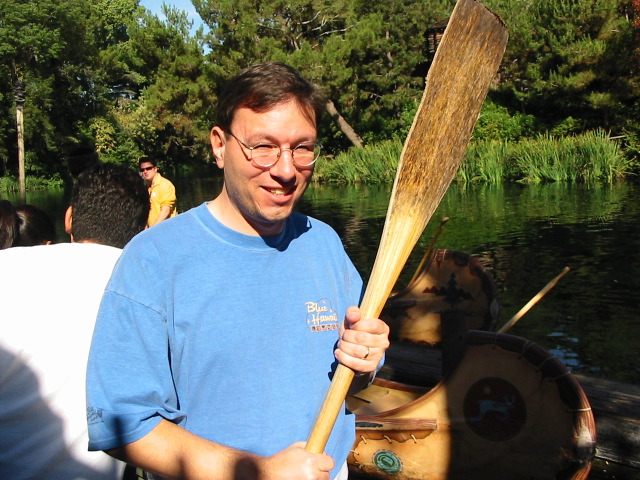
[
  {"x": 464, "y": 65},
  {"x": 458, "y": 80}
]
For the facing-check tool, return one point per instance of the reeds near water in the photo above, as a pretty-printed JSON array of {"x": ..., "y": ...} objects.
[
  {"x": 376, "y": 163},
  {"x": 589, "y": 157},
  {"x": 10, "y": 184}
]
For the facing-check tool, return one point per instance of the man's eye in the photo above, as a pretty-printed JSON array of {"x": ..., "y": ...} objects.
[
  {"x": 305, "y": 147},
  {"x": 264, "y": 148}
]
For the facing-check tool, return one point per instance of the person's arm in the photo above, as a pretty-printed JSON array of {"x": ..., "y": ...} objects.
[
  {"x": 165, "y": 211},
  {"x": 166, "y": 194},
  {"x": 363, "y": 342},
  {"x": 172, "y": 452}
]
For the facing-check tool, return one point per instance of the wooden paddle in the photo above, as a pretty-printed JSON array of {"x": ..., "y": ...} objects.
[
  {"x": 535, "y": 299},
  {"x": 428, "y": 255},
  {"x": 464, "y": 65}
]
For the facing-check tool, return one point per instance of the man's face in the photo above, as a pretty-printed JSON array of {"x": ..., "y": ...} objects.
[
  {"x": 258, "y": 200},
  {"x": 148, "y": 171}
]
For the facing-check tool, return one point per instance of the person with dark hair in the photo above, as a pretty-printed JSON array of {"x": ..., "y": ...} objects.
[
  {"x": 111, "y": 194},
  {"x": 56, "y": 290},
  {"x": 219, "y": 330},
  {"x": 8, "y": 224},
  {"x": 35, "y": 227},
  {"x": 162, "y": 193}
]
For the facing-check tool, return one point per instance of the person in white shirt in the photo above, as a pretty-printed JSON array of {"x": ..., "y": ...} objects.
[{"x": 50, "y": 296}]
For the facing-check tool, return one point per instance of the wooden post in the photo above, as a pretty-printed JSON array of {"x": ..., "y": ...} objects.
[{"x": 19, "y": 94}]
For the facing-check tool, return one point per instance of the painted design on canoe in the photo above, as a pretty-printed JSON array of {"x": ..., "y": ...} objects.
[
  {"x": 451, "y": 293},
  {"x": 387, "y": 462},
  {"x": 450, "y": 283},
  {"x": 494, "y": 409}
]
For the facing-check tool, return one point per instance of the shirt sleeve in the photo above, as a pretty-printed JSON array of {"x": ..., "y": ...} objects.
[
  {"x": 167, "y": 195},
  {"x": 129, "y": 378}
]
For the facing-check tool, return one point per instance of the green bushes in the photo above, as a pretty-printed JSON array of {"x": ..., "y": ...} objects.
[
  {"x": 376, "y": 163},
  {"x": 588, "y": 157},
  {"x": 10, "y": 184}
]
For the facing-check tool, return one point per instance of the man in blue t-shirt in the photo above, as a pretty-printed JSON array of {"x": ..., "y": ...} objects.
[{"x": 220, "y": 328}]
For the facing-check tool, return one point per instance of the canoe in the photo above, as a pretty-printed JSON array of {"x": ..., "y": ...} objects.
[
  {"x": 499, "y": 406},
  {"x": 507, "y": 410},
  {"x": 450, "y": 282}
]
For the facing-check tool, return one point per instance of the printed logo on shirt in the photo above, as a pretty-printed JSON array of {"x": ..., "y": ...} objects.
[
  {"x": 321, "y": 317},
  {"x": 94, "y": 415}
]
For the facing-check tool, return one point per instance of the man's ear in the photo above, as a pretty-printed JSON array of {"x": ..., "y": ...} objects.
[
  {"x": 216, "y": 137},
  {"x": 68, "y": 221}
]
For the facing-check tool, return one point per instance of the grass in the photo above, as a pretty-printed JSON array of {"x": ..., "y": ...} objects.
[
  {"x": 586, "y": 158},
  {"x": 376, "y": 163},
  {"x": 10, "y": 184}
]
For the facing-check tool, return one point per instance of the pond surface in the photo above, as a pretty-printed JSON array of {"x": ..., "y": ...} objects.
[{"x": 524, "y": 236}]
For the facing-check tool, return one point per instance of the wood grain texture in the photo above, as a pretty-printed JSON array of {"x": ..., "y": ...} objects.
[{"x": 463, "y": 67}]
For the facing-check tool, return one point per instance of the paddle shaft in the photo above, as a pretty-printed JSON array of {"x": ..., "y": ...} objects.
[
  {"x": 464, "y": 65},
  {"x": 428, "y": 253},
  {"x": 536, "y": 298}
]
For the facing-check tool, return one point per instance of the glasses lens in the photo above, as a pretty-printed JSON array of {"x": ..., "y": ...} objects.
[
  {"x": 306, "y": 154},
  {"x": 265, "y": 155}
]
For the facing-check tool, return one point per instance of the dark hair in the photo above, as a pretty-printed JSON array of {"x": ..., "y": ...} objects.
[
  {"x": 35, "y": 227},
  {"x": 147, "y": 160},
  {"x": 262, "y": 86},
  {"x": 110, "y": 204},
  {"x": 8, "y": 224}
]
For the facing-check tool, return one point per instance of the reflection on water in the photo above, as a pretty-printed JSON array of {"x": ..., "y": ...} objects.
[{"x": 524, "y": 236}]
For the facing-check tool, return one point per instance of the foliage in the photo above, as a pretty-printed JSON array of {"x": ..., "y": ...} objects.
[
  {"x": 589, "y": 157},
  {"x": 43, "y": 45},
  {"x": 484, "y": 162},
  {"x": 375, "y": 163},
  {"x": 569, "y": 63},
  {"x": 10, "y": 184},
  {"x": 496, "y": 123},
  {"x": 374, "y": 50}
]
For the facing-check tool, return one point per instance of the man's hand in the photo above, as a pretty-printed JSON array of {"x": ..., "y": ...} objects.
[
  {"x": 363, "y": 342},
  {"x": 295, "y": 463}
]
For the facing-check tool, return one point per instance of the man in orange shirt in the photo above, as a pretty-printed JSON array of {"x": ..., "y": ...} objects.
[{"x": 162, "y": 193}]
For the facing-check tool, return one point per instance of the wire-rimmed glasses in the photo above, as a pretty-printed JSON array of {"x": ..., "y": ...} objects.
[{"x": 266, "y": 155}]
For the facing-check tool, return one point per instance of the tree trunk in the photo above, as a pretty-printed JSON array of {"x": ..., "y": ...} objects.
[
  {"x": 21, "y": 174},
  {"x": 343, "y": 124},
  {"x": 19, "y": 97}
]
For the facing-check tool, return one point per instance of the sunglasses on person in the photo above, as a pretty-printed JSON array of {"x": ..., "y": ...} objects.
[{"x": 146, "y": 169}]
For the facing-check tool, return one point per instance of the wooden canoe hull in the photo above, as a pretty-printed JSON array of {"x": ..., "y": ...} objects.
[
  {"x": 451, "y": 282},
  {"x": 508, "y": 410}
]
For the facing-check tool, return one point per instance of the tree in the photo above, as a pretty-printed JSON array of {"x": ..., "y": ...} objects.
[
  {"x": 162, "y": 99},
  {"x": 364, "y": 54},
  {"x": 43, "y": 46},
  {"x": 569, "y": 62}
]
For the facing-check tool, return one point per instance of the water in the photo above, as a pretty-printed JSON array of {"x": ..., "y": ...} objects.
[{"x": 524, "y": 236}]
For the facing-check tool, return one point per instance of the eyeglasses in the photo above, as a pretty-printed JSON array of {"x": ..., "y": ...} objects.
[
  {"x": 146, "y": 169},
  {"x": 266, "y": 155}
]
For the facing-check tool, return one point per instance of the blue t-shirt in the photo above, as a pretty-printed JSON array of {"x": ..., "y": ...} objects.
[{"x": 228, "y": 335}]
